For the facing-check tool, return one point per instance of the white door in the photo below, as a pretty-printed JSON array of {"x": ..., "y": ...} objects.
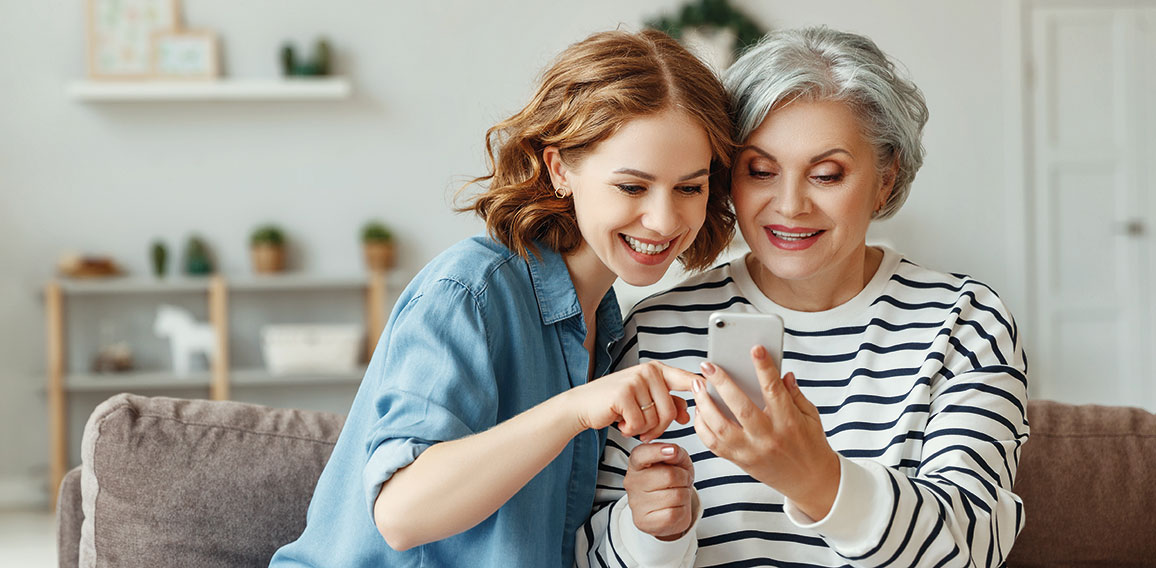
[{"x": 1093, "y": 140}]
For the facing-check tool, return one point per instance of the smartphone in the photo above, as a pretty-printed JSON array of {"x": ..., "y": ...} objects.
[{"x": 730, "y": 337}]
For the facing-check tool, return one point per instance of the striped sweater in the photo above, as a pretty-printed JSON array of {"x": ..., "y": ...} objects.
[{"x": 921, "y": 383}]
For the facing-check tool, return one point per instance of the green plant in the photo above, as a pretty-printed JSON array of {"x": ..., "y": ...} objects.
[
  {"x": 710, "y": 13},
  {"x": 160, "y": 258},
  {"x": 197, "y": 258},
  {"x": 267, "y": 235},
  {"x": 376, "y": 232}
]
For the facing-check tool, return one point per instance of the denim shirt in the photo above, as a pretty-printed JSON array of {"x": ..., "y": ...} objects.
[{"x": 477, "y": 337}]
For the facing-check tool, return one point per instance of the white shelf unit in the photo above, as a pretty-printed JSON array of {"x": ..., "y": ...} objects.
[
  {"x": 221, "y": 377},
  {"x": 293, "y": 89}
]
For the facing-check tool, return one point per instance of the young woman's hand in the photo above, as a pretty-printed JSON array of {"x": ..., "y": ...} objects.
[
  {"x": 782, "y": 445},
  {"x": 659, "y": 487},
  {"x": 637, "y": 398}
]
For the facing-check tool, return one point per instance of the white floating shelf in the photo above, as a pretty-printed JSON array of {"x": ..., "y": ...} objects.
[{"x": 330, "y": 88}]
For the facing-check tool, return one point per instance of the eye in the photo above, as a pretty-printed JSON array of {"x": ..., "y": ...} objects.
[
  {"x": 689, "y": 189},
  {"x": 630, "y": 189},
  {"x": 761, "y": 169},
  {"x": 827, "y": 175},
  {"x": 760, "y": 174}
]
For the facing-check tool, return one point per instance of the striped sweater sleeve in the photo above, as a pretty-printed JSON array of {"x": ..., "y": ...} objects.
[
  {"x": 957, "y": 509},
  {"x": 609, "y": 537}
]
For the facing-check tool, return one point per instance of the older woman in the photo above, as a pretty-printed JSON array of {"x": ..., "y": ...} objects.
[{"x": 894, "y": 435}]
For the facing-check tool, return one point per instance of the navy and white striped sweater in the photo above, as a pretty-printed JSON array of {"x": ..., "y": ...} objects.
[{"x": 921, "y": 382}]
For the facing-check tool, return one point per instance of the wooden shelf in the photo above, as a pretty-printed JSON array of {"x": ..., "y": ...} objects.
[
  {"x": 320, "y": 89},
  {"x": 221, "y": 376},
  {"x": 241, "y": 378},
  {"x": 186, "y": 284},
  {"x": 149, "y": 380},
  {"x": 163, "y": 380}
]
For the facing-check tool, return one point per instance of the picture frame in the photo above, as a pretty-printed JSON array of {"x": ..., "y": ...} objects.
[
  {"x": 120, "y": 35},
  {"x": 185, "y": 55}
]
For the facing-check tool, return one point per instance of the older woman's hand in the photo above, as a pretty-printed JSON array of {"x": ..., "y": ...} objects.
[
  {"x": 783, "y": 445},
  {"x": 659, "y": 486}
]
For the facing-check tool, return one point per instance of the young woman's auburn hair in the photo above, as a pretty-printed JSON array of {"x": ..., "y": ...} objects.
[{"x": 593, "y": 88}]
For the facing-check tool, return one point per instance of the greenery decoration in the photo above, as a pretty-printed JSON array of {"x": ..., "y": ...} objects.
[
  {"x": 267, "y": 235},
  {"x": 320, "y": 64},
  {"x": 711, "y": 13},
  {"x": 160, "y": 258},
  {"x": 197, "y": 259},
  {"x": 376, "y": 232}
]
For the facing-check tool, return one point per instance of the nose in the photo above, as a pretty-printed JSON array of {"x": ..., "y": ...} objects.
[
  {"x": 792, "y": 200},
  {"x": 662, "y": 215}
]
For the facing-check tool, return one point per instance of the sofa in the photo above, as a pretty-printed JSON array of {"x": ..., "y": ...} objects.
[{"x": 173, "y": 482}]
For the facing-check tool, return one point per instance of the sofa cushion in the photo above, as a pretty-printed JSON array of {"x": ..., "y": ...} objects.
[
  {"x": 68, "y": 519},
  {"x": 174, "y": 482},
  {"x": 1087, "y": 477}
]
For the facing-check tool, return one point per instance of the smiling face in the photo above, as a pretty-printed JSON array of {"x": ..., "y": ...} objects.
[
  {"x": 805, "y": 185},
  {"x": 639, "y": 197}
]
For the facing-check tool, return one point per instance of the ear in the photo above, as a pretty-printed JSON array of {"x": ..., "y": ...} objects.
[
  {"x": 885, "y": 188},
  {"x": 556, "y": 167}
]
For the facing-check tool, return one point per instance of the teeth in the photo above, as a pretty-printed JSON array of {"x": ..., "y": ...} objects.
[
  {"x": 794, "y": 236},
  {"x": 645, "y": 248}
]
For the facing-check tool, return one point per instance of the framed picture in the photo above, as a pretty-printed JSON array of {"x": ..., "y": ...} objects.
[
  {"x": 185, "y": 55},
  {"x": 120, "y": 34}
]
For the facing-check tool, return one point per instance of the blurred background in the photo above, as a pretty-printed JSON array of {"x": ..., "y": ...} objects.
[{"x": 1038, "y": 178}]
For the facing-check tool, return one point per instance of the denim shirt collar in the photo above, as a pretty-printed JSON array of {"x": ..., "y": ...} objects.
[{"x": 557, "y": 299}]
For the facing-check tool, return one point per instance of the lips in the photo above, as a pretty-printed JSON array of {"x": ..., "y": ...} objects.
[
  {"x": 646, "y": 251},
  {"x": 792, "y": 238}
]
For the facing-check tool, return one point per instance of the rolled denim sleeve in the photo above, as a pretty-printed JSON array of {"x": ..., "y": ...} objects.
[{"x": 436, "y": 380}]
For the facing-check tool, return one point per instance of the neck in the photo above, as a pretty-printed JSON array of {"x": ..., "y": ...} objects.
[
  {"x": 591, "y": 281},
  {"x": 828, "y": 289}
]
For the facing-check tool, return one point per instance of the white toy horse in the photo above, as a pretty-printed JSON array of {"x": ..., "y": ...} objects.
[{"x": 186, "y": 336}]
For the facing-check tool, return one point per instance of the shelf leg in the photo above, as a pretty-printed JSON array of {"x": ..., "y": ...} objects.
[
  {"x": 375, "y": 309},
  {"x": 57, "y": 401},
  {"x": 219, "y": 318}
]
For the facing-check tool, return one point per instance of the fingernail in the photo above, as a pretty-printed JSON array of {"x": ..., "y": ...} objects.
[
  {"x": 707, "y": 367},
  {"x": 759, "y": 352},
  {"x": 667, "y": 451},
  {"x": 696, "y": 385}
]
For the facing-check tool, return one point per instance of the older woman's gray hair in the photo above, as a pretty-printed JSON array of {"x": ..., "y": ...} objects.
[{"x": 820, "y": 64}]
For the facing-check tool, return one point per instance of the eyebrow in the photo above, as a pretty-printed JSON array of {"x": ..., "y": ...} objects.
[
  {"x": 814, "y": 159},
  {"x": 650, "y": 177}
]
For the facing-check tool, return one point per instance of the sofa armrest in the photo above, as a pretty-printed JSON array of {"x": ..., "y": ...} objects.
[
  {"x": 174, "y": 482},
  {"x": 68, "y": 520},
  {"x": 1087, "y": 476}
]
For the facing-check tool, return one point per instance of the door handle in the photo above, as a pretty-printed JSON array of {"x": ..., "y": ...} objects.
[{"x": 1135, "y": 228}]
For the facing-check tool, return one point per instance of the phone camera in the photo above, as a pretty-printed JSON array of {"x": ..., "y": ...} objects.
[{"x": 720, "y": 323}]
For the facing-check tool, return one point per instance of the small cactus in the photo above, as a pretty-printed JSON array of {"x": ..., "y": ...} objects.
[{"x": 160, "y": 258}]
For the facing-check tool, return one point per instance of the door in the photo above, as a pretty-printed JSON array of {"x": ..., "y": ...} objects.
[{"x": 1092, "y": 143}]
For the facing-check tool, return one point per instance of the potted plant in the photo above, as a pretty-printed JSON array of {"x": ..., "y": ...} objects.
[
  {"x": 379, "y": 247},
  {"x": 268, "y": 249}
]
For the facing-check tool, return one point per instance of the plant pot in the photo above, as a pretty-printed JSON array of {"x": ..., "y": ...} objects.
[
  {"x": 379, "y": 256},
  {"x": 268, "y": 259}
]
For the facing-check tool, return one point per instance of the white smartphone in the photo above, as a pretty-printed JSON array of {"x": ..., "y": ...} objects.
[{"x": 730, "y": 337}]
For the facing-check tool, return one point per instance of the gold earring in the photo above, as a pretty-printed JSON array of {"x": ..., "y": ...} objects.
[{"x": 560, "y": 192}]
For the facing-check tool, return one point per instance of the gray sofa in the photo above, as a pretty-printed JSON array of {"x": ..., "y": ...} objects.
[{"x": 169, "y": 482}]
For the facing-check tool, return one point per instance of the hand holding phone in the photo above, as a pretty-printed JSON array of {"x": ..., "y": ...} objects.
[{"x": 730, "y": 337}]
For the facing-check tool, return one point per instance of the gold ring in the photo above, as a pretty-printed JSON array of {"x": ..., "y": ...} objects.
[{"x": 647, "y": 406}]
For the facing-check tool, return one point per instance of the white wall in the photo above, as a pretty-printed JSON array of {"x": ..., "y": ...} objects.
[{"x": 429, "y": 78}]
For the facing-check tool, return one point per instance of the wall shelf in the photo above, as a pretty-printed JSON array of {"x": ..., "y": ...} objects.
[{"x": 319, "y": 89}]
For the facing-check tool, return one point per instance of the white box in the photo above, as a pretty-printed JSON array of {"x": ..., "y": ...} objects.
[{"x": 312, "y": 348}]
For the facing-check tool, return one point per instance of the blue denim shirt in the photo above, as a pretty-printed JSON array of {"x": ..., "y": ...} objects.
[{"x": 477, "y": 337}]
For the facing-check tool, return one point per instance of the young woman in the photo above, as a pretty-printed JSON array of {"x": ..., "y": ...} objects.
[
  {"x": 894, "y": 436},
  {"x": 474, "y": 439}
]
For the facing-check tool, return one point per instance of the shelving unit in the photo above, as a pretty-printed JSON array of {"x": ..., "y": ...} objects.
[
  {"x": 297, "y": 89},
  {"x": 221, "y": 376}
]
